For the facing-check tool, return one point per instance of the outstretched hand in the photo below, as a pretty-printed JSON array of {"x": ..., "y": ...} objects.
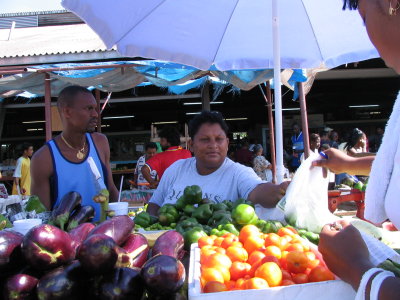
[{"x": 337, "y": 161}]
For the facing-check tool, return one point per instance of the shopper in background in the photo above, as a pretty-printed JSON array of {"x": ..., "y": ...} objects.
[
  {"x": 22, "y": 175},
  {"x": 334, "y": 139},
  {"x": 297, "y": 145},
  {"x": 170, "y": 141},
  {"x": 243, "y": 155},
  {"x": 315, "y": 144},
  {"x": 357, "y": 144},
  {"x": 138, "y": 180},
  {"x": 261, "y": 165},
  {"x": 63, "y": 165}
]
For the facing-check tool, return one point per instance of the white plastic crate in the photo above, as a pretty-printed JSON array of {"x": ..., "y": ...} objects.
[{"x": 326, "y": 290}]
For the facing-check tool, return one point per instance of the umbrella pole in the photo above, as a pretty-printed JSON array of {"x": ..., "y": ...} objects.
[
  {"x": 205, "y": 97},
  {"x": 278, "y": 94},
  {"x": 47, "y": 105},
  {"x": 304, "y": 120}
]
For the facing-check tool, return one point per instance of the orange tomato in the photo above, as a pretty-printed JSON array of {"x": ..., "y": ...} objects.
[
  {"x": 300, "y": 278},
  {"x": 230, "y": 284},
  {"x": 271, "y": 272},
  {"x": 286, "y": 231},
  {"x": 253, "y": 243},
  {"x": 274, "y": 251},
  {"x": 220, "y": 250},
  {"x": 237, "y": 244},
  {"x": 312, "y": 260},
  {"x": 205, "y": 240},
  {"x": 283, "y": 259},
  {"x": 239, "y": 270},
  {"x": 237, "y": 254},
  {"x": 295, "y": 247},
  {"x": 256, "y": 283},
  {"x": 218, "y": 241},
  {"x": 227, "y": 242},
  {"x": 247, "y": 231},
  {"x": 297, "y": 262},
  {"x": 286, "y": 275},
  {"x": 217, "y": 260},
  {"x": 214, "y": 287},
  {"x": 213, "y": 236},
  {"x": 321, "y": 273},
  {"x": 286, "y": 282},
  {"x": 255, "y": 256},
  {"x": 211, "y": 274},
  {"x": 273, "y": 240},
  {"x": 225, "y": 273},
  {"x": 240, "y": 284}
]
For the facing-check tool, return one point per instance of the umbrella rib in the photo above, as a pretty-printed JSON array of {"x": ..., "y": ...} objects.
[
  {"x": 137, "y": 23},
  {"x": 227, "y": 23},
  {"x": 312, "y": 28}
]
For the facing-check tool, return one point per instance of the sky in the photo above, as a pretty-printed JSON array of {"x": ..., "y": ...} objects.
[{"x": 13, "y": 6}]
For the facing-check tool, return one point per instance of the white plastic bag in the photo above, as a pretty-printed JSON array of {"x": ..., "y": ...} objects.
[{"x": 307, "y": 197}]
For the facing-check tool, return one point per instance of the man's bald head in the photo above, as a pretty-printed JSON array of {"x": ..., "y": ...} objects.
[{"x": 69, "y": 94}]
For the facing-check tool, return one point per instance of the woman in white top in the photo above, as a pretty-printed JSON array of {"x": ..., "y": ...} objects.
[
  {"x": 261, "y": 165},
  {"x": 344, "y": 250}
]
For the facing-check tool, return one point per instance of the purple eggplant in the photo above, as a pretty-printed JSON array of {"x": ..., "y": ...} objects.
[
  {"x": 169, "y": 243},
  {"x": 60, "y": 214},
  {"x": 81, "y": 215},
  {"x": 10, "y": 250},
  {"x": 80, "y": 233},
  {"x": 63, "y": 283},
  {"x": 118, "y": 228},
  {"x": 134, "y": 251},
  {"x": 122, "y": 284},
  {"x": 98, "y": 254},
  {"x": 163, "y": 275},
  {"x": 21, "y": 287},
  {"x": 46, "y": 247}
]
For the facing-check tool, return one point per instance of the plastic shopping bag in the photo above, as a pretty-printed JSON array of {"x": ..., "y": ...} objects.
[{"x": 307, "y": 198}]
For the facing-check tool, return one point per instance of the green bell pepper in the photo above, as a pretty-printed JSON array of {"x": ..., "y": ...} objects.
[
  {"x": 242, "y": 201},
  {"x": 187, "y": 224},
  {"x": 229, "y": 228},
  {"x": 167, "y": 215},
  {"x": 217, "y": 232},
  {"x": 220, "y": 217},
  {"x": 180, "y": 203},
  {"x": 193, "y": 194},
  {"x": 207, "y": 229},
  {"x": 202, "y": 213},
  {"x": 219, "y": 206},
  {"x": 143, "y": 219},
  {"x": 261, "y": 224},
  {"x": 189, "y": 209},
  {"x": 228, "y": 204},
  {"x": 244, "y": 214},
  {"x": 192, "y": 236}
]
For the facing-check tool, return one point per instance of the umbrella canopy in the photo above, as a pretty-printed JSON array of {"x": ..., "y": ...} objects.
[{"x": 229, "y": 34}]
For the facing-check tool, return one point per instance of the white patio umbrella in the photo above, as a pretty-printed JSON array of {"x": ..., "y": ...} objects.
[{"x": 232, "y": 35}]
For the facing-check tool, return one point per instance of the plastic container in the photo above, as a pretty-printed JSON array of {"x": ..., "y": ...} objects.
[
  {"x": 120, "y": 208},
  {"x": 23, "y": 226},
  {"x": 326, "y": 290}
]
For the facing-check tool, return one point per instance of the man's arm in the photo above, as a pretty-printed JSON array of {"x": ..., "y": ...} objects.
[
  {"x": 268, "y": 194},
  {"x": 41, "y": 170},
  {"x": 102, "y": 143},
  {"x": 146, "y": 174}
]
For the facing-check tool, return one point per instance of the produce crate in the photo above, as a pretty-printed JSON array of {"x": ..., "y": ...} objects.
[{"x": 327, "y": 290}]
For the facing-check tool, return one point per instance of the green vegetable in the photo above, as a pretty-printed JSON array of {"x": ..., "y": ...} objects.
[
  {"x": 143, "y": 219},
  {"x": 229, "y": 228},
  {"x": 189, "y": 209},
  {"x": 217, "y": 232},
  {"x": 261, "y": 224},
  {"x": 34, "y": 204},
  {"x": 186, "y": 225},
  {"x": 202, "y": 213},
  {"x": 167, "y": 215},
  {"x": 180, "y": 203},
  {"x": 219, "y": 206},
  {"x": 359, "y": 186},
  {"x": 193, "y": 194},
  {"x": 220, "y": 217},
  {"x": 311, "y": 236},
  {"x": 241, "y": 201},
  {"x": 192, "y": 236},
  {"x": 228, "y": 204},
  {"x": 244, "y": 214}
]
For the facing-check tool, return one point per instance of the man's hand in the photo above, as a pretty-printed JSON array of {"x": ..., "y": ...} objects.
[
  {"x": 344, "y": 251},
  {"x": 153, "y": 184},
  {"x": 268, "y": 194}
]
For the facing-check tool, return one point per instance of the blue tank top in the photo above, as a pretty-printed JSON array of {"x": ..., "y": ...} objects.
[{"x": 71, "y": 176}]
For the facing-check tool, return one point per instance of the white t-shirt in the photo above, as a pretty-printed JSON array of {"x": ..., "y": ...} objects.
[
  {"x": 230, "y": 182},
  {"x": 18, "y": 167}
]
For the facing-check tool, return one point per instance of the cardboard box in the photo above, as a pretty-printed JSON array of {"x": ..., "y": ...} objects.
[{"x": 327, "y": 290}]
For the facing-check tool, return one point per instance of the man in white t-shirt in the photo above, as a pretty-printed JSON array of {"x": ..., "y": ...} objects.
[{"x": 219, "y": 177}]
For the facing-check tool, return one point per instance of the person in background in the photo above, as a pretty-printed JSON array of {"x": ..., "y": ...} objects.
[
  {"x": 297, "y": 147},
  {"x": 325, "y": 136},
  {"x": 138, "y": 180},
  {"x": 243, "y": 155},
  {"x": 376, "y": 140},
  {"x": 357, "y": 144},
  {"x": 261, "y": 165},
  {"x": 315, "y": 143},
  {"x": 342, "y": 247},
  {"x": 170, "y": 141},
  {"x": 22, "y": 175},
  {"x": 218, "y": 177},
  {"x": 334, "y": 139},
  {"x": 63, "y": 165}
]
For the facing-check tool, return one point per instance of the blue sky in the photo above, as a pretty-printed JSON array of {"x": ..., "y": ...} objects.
[{"x": 11, "y": 6}]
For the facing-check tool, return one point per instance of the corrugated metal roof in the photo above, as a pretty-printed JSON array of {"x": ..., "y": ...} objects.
[
  {"x": 20, "y": 21},
  {"x": 35, "y": 41},
  {"x": 33, "y": 13}
]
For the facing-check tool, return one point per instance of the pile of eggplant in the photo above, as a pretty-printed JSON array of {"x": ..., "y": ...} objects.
[{"x": 106, "y": 261}]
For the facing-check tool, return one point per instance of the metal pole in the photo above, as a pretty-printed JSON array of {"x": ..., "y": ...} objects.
[
  {"x": 304, "y": 121},
  {"x": 97, "y": 94},
  {"x": 47, "y": 106},
  {"x": 271, "y": 131},
  {"x": 278, "y": 94},
  {"x": 205, "y": 96}
]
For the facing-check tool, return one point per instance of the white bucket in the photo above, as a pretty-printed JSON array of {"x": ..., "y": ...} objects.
[
  {"x": 23, "y": 226},
  {"x": 120, "y": 208}
]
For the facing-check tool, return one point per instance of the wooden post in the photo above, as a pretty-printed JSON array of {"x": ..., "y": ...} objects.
[
  {"x": 271, "y": 131},
  {"x": 304, "y": 120},
  {"x": 97, "y": 94},
  {"x": 47, "y": 106},
  {"x": 205, "y": 97}
]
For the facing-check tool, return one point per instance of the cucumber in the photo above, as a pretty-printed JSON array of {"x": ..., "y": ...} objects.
[{"x": 367, "y": 228}]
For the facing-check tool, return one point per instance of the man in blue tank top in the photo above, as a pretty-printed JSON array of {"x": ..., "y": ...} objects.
[{"x": 62, "y": 165}]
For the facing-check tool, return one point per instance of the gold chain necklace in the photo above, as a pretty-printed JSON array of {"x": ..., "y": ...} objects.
[{"x": 81, "y": 152}]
